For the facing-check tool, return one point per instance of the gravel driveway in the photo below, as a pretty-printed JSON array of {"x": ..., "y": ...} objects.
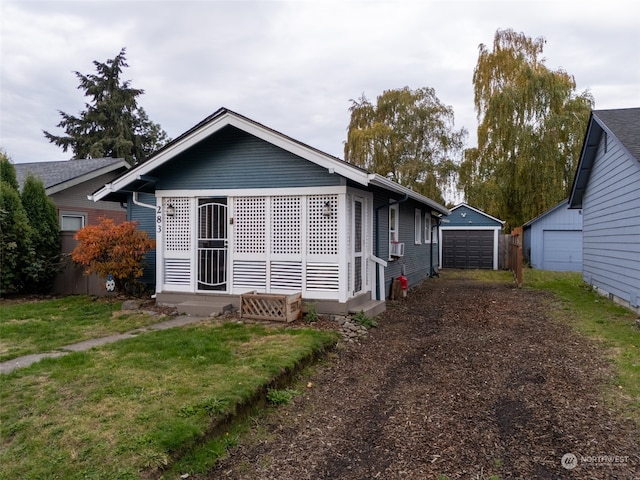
[{"x": 461, "y": 380}]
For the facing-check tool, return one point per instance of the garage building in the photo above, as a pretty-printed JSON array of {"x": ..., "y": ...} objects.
[
  {"x": 470, "y": 239},
  {"x": 553, "y": 240}
]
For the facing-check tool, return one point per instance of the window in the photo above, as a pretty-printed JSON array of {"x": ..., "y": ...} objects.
[
  {"x": 71, "y": 222},
  {"x": 394, "y": 217},
  {"x": 417, "y": 233},
  {"x": 427, "y": 228}
]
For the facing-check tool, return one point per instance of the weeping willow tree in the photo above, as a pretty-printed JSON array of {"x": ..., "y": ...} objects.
[
  {"x": 531, "y": 125},
  {"x": 408, "y": 135}
]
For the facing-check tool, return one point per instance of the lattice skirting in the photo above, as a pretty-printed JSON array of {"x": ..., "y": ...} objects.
[{"x": 268, "y": 306}]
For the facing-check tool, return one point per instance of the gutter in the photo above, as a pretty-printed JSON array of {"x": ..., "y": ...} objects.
[{"x": 140, "y": 204}]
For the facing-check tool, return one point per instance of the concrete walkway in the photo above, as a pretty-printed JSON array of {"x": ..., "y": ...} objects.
[{"x": 25, "y": 361}]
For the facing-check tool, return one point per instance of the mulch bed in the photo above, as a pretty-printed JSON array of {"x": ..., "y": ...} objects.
[{"x": 460, "y": 380}]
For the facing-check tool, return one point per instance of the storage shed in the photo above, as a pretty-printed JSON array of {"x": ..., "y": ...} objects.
[
  {"x": 553, "y": 240},
  {"x": 469, "y": 239}
]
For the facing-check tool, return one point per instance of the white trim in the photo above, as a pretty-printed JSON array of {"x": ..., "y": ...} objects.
[
  {"x": 417, "y": 226},
  {"x": 253, "y": 192},
  {"x": 86, "y": 177},
  {"x": 228, "y": 118},
  {"x": 502, "y": 222}
]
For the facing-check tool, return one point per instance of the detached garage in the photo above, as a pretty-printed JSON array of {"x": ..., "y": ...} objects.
[
  {"x": 469, "y": 239},
  {"x": 553, "y": 240}
]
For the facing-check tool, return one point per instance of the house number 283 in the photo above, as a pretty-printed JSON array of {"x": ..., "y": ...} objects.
[{"x": 159, "y": 219}]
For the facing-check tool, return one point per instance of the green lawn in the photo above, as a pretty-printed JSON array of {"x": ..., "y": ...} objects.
[
  {"x": 136, "y": 405},
  {"x": 610, "y": 325},
  {"x": 45, "y": 325}
]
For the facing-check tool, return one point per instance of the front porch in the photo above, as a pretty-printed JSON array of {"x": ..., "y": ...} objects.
[{"x": 207, "y": 304}]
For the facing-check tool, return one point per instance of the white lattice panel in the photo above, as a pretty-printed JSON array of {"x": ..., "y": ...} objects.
[
  {"x": 177, "y": 228},
  {"x": 250, "y": 224},
  {"x": 177, "y": 271},
  {"x": 323, "y": 276},
  {"x": 286, "y": 275},
  {"x": 322, "y": 230},
  {"x": 286, "y": 215},
  {"x": 247, "y": 274}
]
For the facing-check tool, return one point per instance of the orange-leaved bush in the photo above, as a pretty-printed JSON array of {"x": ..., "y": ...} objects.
[{"x": 110, "y": 249}]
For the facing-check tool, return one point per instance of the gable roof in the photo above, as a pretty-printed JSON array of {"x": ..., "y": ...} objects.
[
  {"x": 136, "y": 177},
  {"x": 563, "y": 204},
  {"x": 60, "y": 175},
  {"x": 478, "y": 211},
  {"x": 624, "y": 125}
]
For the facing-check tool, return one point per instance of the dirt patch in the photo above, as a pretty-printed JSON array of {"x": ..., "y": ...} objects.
[{"x": 460, "y": 380}]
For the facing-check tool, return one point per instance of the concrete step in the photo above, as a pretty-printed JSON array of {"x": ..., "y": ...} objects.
[
  {"x": 203, "y": 308},
  {"x": 371, "y": 308}
]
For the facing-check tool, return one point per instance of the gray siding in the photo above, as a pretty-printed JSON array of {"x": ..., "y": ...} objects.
[
  {"x": 563, "y": 223},
  {"x": 611, "y": 223},
  {"x": 76, "y": 196},
  {"x": 233, "y": 159}
]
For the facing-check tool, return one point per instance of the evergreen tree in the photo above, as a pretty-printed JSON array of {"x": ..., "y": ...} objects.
[
  {"x": 15, "y": 244},
  {"x": 45, "y": 236},
  {"x": 530, "y": 132},
  {"x": 408, "y": 135},
  {"x": 112, "y": 125}
]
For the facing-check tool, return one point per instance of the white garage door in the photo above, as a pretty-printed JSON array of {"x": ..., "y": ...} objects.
[{"x": 562, "y": 250}]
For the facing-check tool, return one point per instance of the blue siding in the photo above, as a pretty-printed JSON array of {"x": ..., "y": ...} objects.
[
  {"x": 416, "y": 259},
  {"x": 463, "y": 216},
  {"x": 542, "y": 252},
  {"x": 146, "y": 219},
  {"x": 233, "y": 159},
  {"x": 611, "y": 223}
]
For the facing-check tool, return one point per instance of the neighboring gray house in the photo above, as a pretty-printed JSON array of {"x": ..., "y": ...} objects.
[
  {"x": 237, "y": 207},
  {"x": 553, "y": 240},
  {"x": 606, "y": 188},
  {"x": 68, "y": 183},
  {"x": 470, "y": 239}
]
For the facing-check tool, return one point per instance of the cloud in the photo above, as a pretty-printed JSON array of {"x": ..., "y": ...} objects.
[{"x": 292, "y": 66}]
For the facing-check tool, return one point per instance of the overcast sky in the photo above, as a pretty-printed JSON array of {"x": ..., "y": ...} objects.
[{"x": 293, "y": 66}]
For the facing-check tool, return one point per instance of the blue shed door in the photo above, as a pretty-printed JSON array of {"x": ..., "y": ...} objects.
[{"x": 562, "y": 250}]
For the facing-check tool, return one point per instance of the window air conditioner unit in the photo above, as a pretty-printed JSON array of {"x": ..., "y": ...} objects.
[{"x": 397, "y": 249}]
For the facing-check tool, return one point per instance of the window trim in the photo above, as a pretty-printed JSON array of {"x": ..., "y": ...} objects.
[
  {"x": 394, "y": 230},
  {"x": 427, "y": 227},
  {"x": 71, "y": 214},
  {"x": 417, "y": 233}
]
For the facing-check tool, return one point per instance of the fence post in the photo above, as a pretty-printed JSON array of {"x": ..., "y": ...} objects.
[{"x": 516, "y": 254}]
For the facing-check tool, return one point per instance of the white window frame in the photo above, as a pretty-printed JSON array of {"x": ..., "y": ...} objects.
[
  {"x": 394, "y": 233},
  {"x": 81, "y": 215},
  {"x": 427, "y": 227},
  {"x": 417, "y": 233}
]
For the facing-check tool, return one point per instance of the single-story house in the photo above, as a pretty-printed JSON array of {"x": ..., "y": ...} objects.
[
  {"x": 237, "y": 207},
  {"x": 68, "y": 183},
  {"x": 553, "y": 240},
  {"x": 606, "y": 188},
  {"x": 470, "y": 239}
]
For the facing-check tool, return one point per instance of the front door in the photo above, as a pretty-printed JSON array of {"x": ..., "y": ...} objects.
[{"x": 212, "y": 244}]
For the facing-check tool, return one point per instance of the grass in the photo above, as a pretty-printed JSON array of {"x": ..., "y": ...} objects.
[
  {"x": 137, "y": 405},
  {"x": 590, "y": 314},
  {"x": 45, "y": 325}
]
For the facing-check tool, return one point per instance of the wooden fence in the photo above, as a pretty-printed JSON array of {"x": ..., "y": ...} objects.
[{"x": 510, "y": 253}]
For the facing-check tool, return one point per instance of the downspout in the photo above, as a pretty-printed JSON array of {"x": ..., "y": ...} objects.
[
  {"x": 140, "y": 204},
  {"x": 404, "y": 199}
]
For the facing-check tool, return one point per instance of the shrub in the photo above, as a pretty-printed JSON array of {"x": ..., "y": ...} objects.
[
  {"x": 45, "y": 236},
  {"x": 110, "y": 249}
]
